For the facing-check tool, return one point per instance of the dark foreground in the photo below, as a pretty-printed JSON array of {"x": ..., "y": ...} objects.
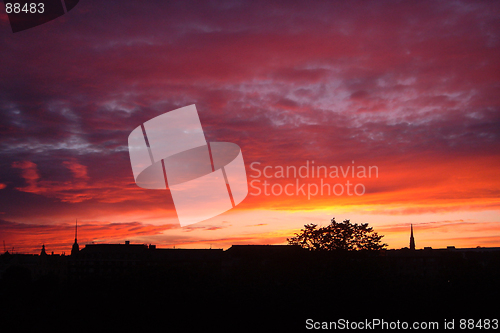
[{"x": 259, "y": 288}]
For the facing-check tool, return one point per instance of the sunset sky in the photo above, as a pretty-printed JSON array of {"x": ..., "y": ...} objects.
[{"x": 411, "y": 87}]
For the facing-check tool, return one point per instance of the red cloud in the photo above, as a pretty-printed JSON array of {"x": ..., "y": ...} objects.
[
  {"x": 78, "y": 170},
  {"x": 30, "y": 174},
  {"x": 410, "y": 88}
]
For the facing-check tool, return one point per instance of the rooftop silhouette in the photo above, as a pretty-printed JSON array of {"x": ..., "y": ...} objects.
[{"x": 250, "y": 280}]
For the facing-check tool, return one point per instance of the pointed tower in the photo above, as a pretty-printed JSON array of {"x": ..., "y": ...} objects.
[
  {"x": 43, "y": 253},
  {"x": 412, "y": 240},
  {"x": 75, "y": 249}
]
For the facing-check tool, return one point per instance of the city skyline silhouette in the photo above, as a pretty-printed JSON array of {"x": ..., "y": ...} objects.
[{"x": 158, "y": 156}]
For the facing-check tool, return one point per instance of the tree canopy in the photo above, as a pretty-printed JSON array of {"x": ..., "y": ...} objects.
[{"x": 338, "y": 236}]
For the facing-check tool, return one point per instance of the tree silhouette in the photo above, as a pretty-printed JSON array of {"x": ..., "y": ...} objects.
[{"x": 338, "y": 236}]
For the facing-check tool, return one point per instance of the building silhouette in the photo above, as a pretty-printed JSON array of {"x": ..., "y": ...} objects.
[
  {"x": 412, "y": 240},
  {"x": 43, "y": 252},
  {"x": 118, "y": 260},
  {"x": 203, "y": 287},
  {"x": 75, "y": 249}
]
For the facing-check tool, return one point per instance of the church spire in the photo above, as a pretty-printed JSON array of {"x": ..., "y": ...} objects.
[
  {"x": 75, "y": 249},
  {"x": 412, "y": 240}
]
